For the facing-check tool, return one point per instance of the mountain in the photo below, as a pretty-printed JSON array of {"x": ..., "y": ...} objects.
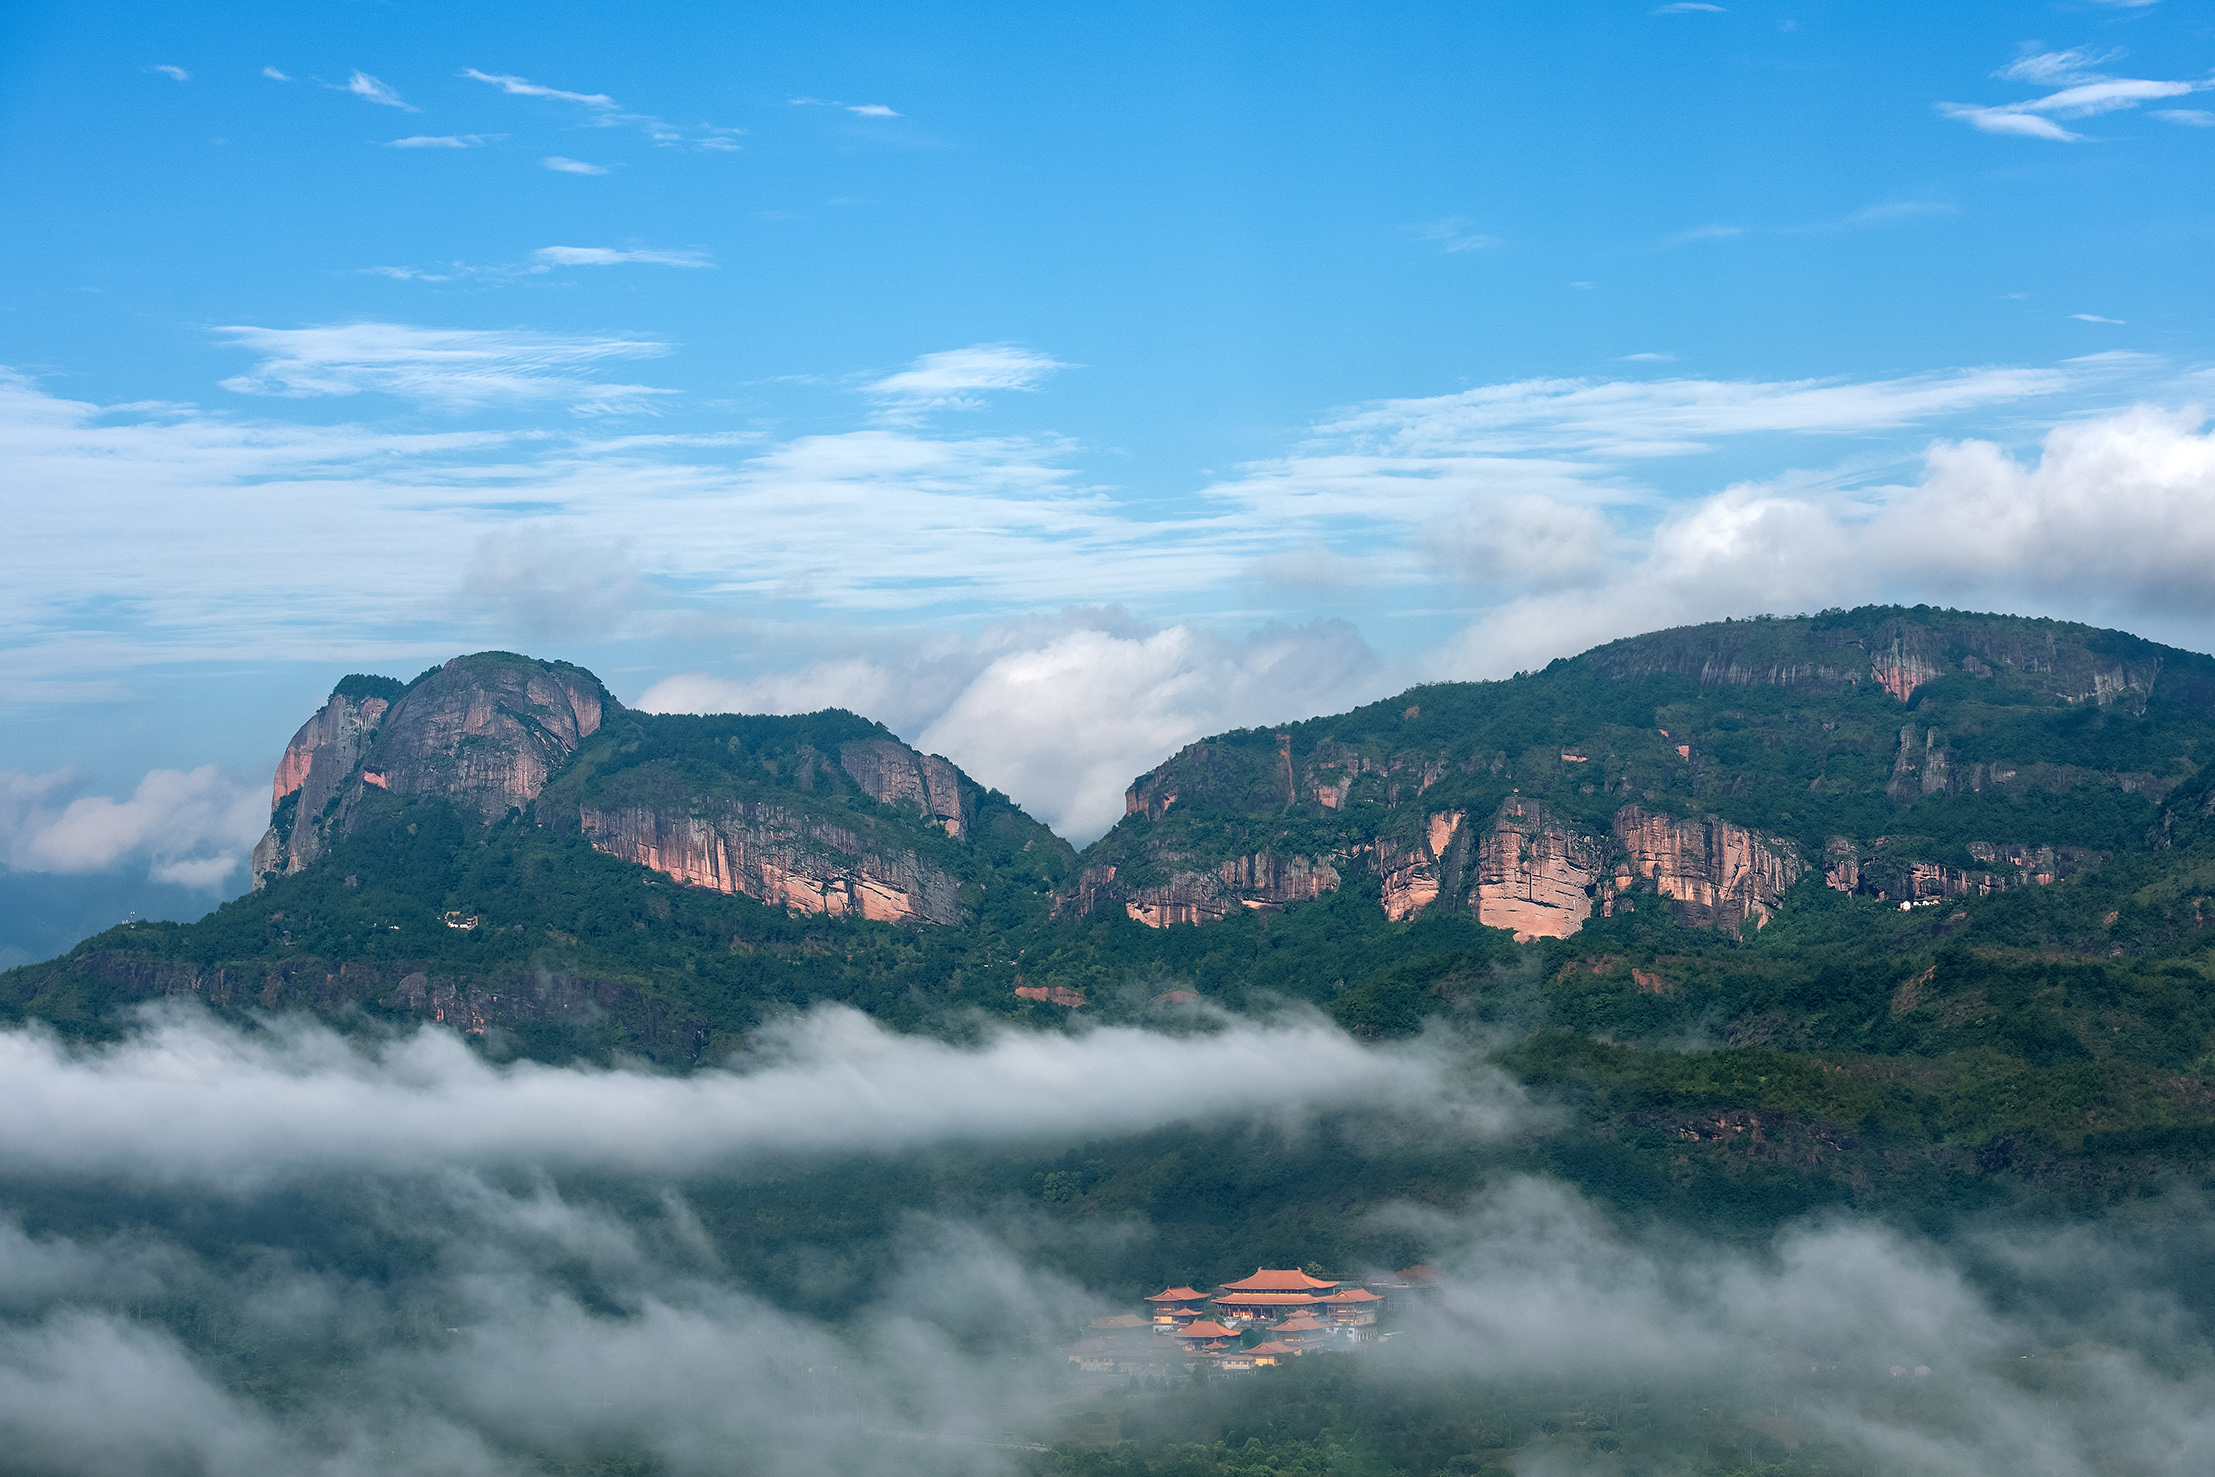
[{"x": 1896, "y": 908}]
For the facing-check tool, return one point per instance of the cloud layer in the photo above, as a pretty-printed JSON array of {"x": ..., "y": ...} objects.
[
  {"x": 192, "y": 828},
  {"x": 189, "y": 1102}
]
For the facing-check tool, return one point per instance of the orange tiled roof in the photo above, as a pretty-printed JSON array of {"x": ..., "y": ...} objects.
[
  {"x": 1207, "y": 1329},
  {"x": 1263, "y": 1299},
  {"x": 1358, "y": 1295},
  {"x": 1178, "y": 1295},
  {"x": 1301, "y": 1324},
  {"x": 1272, "y": 1347},
  {"x": 1286, "y": 1279}
]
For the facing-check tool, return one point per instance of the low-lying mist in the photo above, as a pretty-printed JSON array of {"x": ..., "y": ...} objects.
[{"x": 232, "y": 1251}]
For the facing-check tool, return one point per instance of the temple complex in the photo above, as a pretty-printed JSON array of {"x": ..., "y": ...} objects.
[{"x": 1288, "y": 1311}]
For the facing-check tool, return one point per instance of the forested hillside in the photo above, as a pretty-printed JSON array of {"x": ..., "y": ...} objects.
[{"x": 1896, "y": 909}]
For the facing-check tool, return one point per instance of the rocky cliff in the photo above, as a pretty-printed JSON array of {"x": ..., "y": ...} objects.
[
  {"x": 318, "y": 765},
  {"x": 840, "y": 821},
  {"x": 777, "y": 855},
  {"x": 1706, "y": 766}
]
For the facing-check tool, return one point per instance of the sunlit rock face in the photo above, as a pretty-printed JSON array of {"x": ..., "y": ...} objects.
[
  {"x": 1257, "y": 881},
  {"x": 893, "y": 774},
  {"x": 1534, "y": 874},
  {"x": 483, "y": 731},
  {"x": 780, "y": 857},
  {"x": 1719, "y": 875},
  {"x": 316, "y": 766},
  {"x": 1413, "y": 877},
  {"x": 487, "y": 731}
]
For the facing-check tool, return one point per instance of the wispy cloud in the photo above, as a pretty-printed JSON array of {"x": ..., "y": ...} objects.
[
  {"x": 1453, "y": 234},
  {"x": 561, "y": 165},
  {"x": 174, "y": 74},
  {"x": 2189, "y": 117},
  {"x": 1648, "y": 358},
  {"x": 1688, "y": 7},
  {"x": 2094, "y": 318},
  {"x": 452, "y": 368},
  {"x": 444, "y": 141},
  {"x": 524, "y": 87},
  {"x": 1900, "y": 210},
  {"x": 953, "y": 379},
  {"x": 274, "y": 75},
  {"x": 368, "y": 88},
  {"x": 608, "y": 256},
  {"x": 603, "y": 111},
  {"x": 859, "y": 110},
  {"x": 1704, "y": 233},
  {"x": 2084, "y": 93}
]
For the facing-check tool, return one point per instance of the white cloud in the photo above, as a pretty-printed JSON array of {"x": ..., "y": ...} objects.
[
  {"x": 191, "y": 827},
  {"x": 608, "y": 256},
  {"x": 523, "y": 87},
  {"x": 871, "y": 110},
  {"x": 457, "y": 369},
  {"x": 1688, "y": 7},
  {"x": 190, "y": 1102},
  {"x": 1649, "y": 358},
  {"x": 1705, "y": 233},
  {"x": 1900, "y": 210},
  {"x": 2084, "y": 93},
  {"x": 442, "y": 141},
  {"x": 952, "y": 378},
  {"x": 174, "y": 74},
  {"x": 1060, "y": 714},
  {"x": 274, "y": 75},
  {"x": 2109, "y": 519},
  {"x": 2189, "y": 117},
  {"x": 561, "y": 165},
  {"x": 1453, "y": 235},
  {"x": 364, "y": 86},
  {"x": 2094, "y": 318}
]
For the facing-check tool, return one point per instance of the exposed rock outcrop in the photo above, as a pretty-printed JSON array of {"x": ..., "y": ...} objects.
[
  {"x": 1414, "y": 878},
  {"x": 779, "y": 857},
  {"x": 1718, "y": 874},
  {"x": 1851, "y": 866},
  {"x": 891, "y": 773},
  {"x": 1257, "y": 880},
  {"x": 487, "y": 731},
  {"x": 1534, "y": 874},
  {"x": 316, "y": 767}
]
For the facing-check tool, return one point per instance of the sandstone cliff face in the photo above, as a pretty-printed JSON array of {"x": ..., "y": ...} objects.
[
  {"x": 1535, "y": 875},
  {"x": 486, "y": 732},
  {"x": 1718, "y": 874},
  {"x": 780, "y": 857},
  {"x": 1255, "y": 881},
  {"x": 1851, "y": 866},
  {"x": 1415, "y": 878},
  {"x": 893, "y": 774},
  {"x": 317, "y": 765}
]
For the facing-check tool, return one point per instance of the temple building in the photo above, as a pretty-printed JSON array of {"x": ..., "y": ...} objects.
[
  {"x": 1272, "y": 1351},
  {"x": 1174, "y": 1307},
  {"x": 1302, "y": 1329},
  {"x": 1355, "y": 1305},
  {"x": 1203, "y": 1335}
]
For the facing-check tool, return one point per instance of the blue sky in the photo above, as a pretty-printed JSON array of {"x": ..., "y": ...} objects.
[{"x": 1056, "y": 386}]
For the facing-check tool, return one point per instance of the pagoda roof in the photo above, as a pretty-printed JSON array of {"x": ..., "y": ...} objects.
[
  {"x": 1272, "y": 1347},
  {"x": 1356, "y": 1295},
  {"x": 1206, "y": 1329},
  {"x": 1301, "y": 1323},
  {"x": 1285, "y": 1279},
  {"x": 1178, "y": 1295},
  {"x": 1263, "y": 1299}
]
